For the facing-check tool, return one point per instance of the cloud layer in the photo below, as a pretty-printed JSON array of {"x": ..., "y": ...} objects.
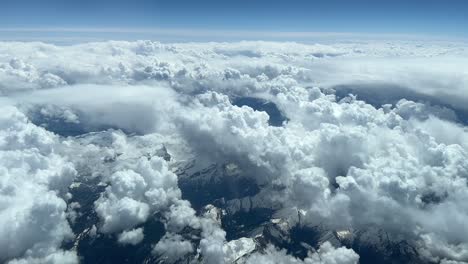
[{"x": 133, "y": 114}]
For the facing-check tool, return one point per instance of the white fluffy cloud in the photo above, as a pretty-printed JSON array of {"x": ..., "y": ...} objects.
[
  {"x": 138, "y": 189},
  {"x": 326, "y": 254},
  {"x": 387, "y": 170},
  {"x": 401, "y": 167},
  {"x": 33, "y": 185},
  {"x": 172, "y": 247},
  {"x": 132, "y": 237}
]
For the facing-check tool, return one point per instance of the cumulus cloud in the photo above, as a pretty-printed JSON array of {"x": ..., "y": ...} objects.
[
  {"x": 172, "y": 247},
  {"x": 359, "y": 166},
  {"x": 213, "y": 238},
  {"x": 372, "y": 160},
  {"x": 33, "y": 183},
  {"x": 131, "y": 237},
  {"x": 134, "y": 193},
  {"x": 326, "y": 254}
]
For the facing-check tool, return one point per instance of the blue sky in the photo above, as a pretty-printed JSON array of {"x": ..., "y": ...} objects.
[{"x": 423, "y": 17}]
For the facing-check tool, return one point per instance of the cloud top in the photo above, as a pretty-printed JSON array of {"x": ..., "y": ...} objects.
[{"x": 372, "y": 139}]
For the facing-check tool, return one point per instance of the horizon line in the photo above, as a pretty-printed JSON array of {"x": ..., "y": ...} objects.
[{"x": 231, "y": 33}]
